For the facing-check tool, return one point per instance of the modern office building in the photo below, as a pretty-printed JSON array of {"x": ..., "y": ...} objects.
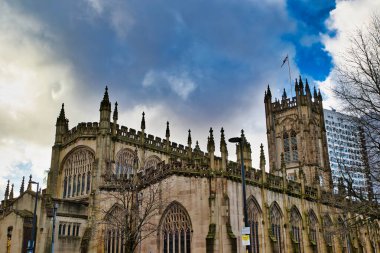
[{"x": 345, "y": 150}]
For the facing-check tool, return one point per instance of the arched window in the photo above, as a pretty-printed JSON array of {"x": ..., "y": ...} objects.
[
  {"x": 125, "y": 161},
  {"x": 254, "y": 218},
  {"x": 151, "y": 162},
  {"x": 296, "y": 228},
  {"x": 286, "y": 147},
  {"x": 77, "y": 163},
  {"x": 115, "y": 233},
  {"x": 293, "y": 140},
  {"x": 313, "y": 230},
  {"x": 343, "y": 234},
  {"x": 175, "y": 230},
  {"x": 290, "y": 146},
  {"x": 328, "y": 231},
  {"x": 276, "y": 228}
]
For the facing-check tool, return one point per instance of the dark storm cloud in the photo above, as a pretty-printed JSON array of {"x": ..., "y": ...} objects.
[{"x": 204, "y": 55}]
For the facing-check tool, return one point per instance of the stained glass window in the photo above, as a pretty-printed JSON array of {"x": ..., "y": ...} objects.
[{"x": 176, "y": 230}]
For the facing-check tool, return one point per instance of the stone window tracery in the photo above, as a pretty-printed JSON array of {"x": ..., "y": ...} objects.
[
  {"x": 293, "y": 140},
  {"x": 151, "y": 162},
  {"x": 290, "y": 146},
  {"x": 75, "y": 167},
  {"x": 114, "y": 235},
  {"x": 176, "y": 230},
  {"x": 276, "y": 222},
  {"x": 327, "y": 230},
  {"x": 254, "y": 217},
  {"x": 125, "y": 162},
  {"x": 313, "y": 230},
  {"x": 343, "y": 236},
  {"x": 296, "y": 228},
  {"x": 286, "y": 147}
]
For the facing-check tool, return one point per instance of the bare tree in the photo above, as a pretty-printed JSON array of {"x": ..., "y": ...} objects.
[
  {"x": 358, "y": 89},
  {"x": 135, "y": 200}
]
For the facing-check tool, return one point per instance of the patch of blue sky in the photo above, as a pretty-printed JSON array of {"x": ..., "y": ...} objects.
[{"x": 310, "y": 17}]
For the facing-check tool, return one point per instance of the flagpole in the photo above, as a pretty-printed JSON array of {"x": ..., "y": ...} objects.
[
  {"x": 290, "y": 76},
  {"x": 290, "y": 81}
]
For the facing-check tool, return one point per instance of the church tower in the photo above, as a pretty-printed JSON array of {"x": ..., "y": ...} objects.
[{"x": 296, "y": 131}]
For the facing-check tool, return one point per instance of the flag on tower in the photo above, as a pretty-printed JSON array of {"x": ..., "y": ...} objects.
[{"x": 283, "y": 62}]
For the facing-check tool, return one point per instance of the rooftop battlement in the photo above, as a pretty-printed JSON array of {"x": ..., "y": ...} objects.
[{"x": 303, "y": 97}]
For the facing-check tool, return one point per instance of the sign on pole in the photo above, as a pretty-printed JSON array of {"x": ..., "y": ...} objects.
[
  {"x": 246, "y": 231},
  {"x": 245, "y": 240}
]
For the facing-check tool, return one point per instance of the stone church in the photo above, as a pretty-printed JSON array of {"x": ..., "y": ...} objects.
[{"x": 199, "y": 203}]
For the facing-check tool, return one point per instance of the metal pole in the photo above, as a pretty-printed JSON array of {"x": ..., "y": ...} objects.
[
  {"x": 54, "y": 217},
  {"x": 32, "y": 243},
  {"x": 243, "y": 186}
]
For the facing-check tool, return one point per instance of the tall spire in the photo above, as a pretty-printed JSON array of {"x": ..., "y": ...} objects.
[
  {"x": 22, "y": 185},
  {"x": 319, "y": 94},
  {"x": 189, "y": 138},
  {"x": 105, "y": 113},
  {"x": 11, "y": 193},
  {"x": 296, "y": 87},
  {"x": 223, "y": 149},
  {"x": 284, "y": 96},
  {"x": 211, "y": 142},
  {"x": 30, "y": 183},
  {"x": 269, "y": 93},
  {"x": 307, "y": 88},
  {"x": 197, "y": 146},
  {"x": 262, "y": 164},
  {"x": 242, "y": 136},
  {"x": 143, "y": 121},
  {"x": 106, "y": 99},
  {"x": 167, "y": 135},
  {"x": 262, "y": 151},
  {"x": 6, "y": 195},
  {"x": 315, "y": 93},
  {"x": 223, "y": 145},
  {"x": 115, "y": 113},
  {"x": 62, "y": 113},
  {"x": 62, "y": 125},
  {"x": 301, "y": 84},
  {"x": 105, "y": 103}
]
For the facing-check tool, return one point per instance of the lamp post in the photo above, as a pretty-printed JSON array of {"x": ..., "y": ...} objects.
[
  {"x": 32, "y": 242},
  {"x": 240, "y": 140}
]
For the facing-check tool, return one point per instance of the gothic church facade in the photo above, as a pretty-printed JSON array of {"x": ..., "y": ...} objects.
[{"x": 288, "y": 208}]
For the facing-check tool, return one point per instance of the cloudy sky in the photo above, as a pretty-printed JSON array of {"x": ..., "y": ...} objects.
[{"x": 197, "y": 64}]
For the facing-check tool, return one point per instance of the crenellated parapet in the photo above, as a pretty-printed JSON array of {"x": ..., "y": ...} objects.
[
  {"x": 254, "y": 177},
  {"x": 82, "y": 130}
]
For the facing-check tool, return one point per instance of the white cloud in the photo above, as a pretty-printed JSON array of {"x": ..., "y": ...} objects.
[
  {"x": 345, "y": 19},
  {"x": 180, "y": 83},
  {"x": 34, "y": 80}
]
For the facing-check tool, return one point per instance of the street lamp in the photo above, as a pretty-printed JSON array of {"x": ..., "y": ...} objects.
[
  {"x": 32, "y": 243},
  {"x": 240, "y": 140}
]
